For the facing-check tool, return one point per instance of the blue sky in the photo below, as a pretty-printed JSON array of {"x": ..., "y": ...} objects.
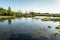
[{"x": 51, "y": 6}]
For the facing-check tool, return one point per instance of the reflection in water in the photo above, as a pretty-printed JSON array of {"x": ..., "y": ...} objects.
[
  {"x": 9, "y": 21},
  {"x": 1, "y": 20},
  {"x": 25, "y": 37}
]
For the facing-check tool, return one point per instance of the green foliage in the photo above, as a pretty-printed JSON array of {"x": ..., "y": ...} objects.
[
  {"x": 4, "y": 12},
  {"x": 9, "y": 11}
]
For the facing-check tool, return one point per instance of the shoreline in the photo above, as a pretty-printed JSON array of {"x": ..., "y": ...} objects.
[{"x": 6, "y": 17}]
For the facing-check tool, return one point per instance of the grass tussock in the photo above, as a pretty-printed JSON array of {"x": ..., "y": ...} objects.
[
  {"x": 58, "y": 27},
  {"x": 49, "y": 26}
]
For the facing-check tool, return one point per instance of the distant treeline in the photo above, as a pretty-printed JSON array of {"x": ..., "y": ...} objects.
[{"x": 9, "y": 12}]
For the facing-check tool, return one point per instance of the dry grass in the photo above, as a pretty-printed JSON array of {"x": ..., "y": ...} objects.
[{"x": 6, "y": 17}]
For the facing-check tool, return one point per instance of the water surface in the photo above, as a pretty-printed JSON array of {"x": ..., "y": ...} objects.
[{"x": 28, "y": 29}]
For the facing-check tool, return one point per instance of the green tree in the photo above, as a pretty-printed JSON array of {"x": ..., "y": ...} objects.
[{"x": 9, "y": 11}]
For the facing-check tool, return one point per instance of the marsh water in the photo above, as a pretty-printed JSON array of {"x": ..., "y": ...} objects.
[{"x": 28, "y": 29}]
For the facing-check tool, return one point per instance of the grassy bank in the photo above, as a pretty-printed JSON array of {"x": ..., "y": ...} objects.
[
  {"x": 50, "y": 19},
  {"x": 6, "y": 17}
]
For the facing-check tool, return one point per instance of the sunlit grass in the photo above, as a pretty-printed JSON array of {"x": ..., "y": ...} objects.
[
  {"x": 45, "y": 19},
  {"x": 6, "y": 17}
]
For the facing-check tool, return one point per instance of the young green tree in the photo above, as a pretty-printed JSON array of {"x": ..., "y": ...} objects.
[
  {"x": 9, "y": 11},
  {"x": 9, "y": 8}
]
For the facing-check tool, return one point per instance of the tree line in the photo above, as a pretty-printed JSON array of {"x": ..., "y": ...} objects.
[{"x": 9, "y": 12}]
